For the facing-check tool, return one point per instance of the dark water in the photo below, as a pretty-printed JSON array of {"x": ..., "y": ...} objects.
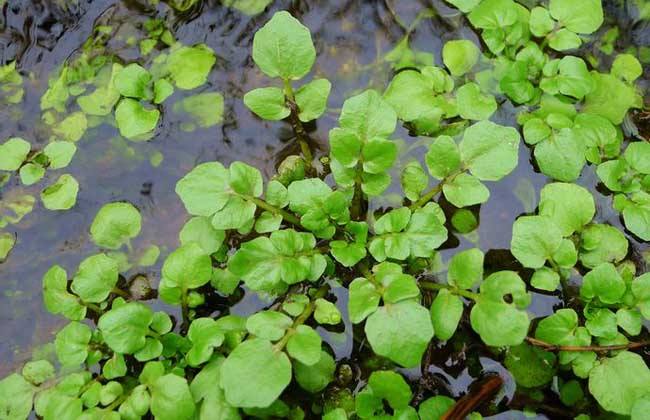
[{"x": 350, "y": 37}]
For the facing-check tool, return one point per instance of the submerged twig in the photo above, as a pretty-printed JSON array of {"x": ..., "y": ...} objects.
[{"x": 474, "y": 398}]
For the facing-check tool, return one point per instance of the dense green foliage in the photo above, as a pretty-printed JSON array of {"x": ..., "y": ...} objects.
[{"x": 302, "y": 235}]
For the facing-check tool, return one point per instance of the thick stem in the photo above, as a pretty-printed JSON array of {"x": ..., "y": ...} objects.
[
  {"x": 357, "y": 198},
  {"x": 455, "y": 290},
  {"x": 599, "y": 349},
  {"x": 306, "y": 313},
  {"x": 185, "y": 310},
  {"x": 275, "y": 210},
  {"x": 120, "y": 292},
  {"x": 296, "y": 124},
  {"x": 427, "y": 196}
]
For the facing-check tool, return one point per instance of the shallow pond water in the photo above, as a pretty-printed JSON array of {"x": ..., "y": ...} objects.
[{"x": 351, "y": 38}]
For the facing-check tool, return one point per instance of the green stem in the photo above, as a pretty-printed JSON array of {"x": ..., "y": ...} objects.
[
  {"x": 455, "y": 290},
  {"x": 306, "y": 313},
  {"x": 185, "y": 310},
  {"x": 120, "y": 292},
  {"x": 93, "y": 307},
  {"x": 427, "y": 196},
  {"x": 357, "y": 198},
  {"x": 275, "y": 210},
  {"x": 296, "y": 124}
]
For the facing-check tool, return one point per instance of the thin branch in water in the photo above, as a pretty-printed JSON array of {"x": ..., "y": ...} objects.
[
  {"x": 598, "y": 349},
  {"x": 483, "y": 392}
]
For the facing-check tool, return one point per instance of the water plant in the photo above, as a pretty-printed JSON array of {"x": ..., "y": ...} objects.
[{"x": 311, "y": 244}]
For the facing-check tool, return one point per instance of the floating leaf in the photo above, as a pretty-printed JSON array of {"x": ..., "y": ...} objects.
[
  {"x": 12, "y": 153},
  {"x": 134, "y": 120},
  {"x": 61, "y": 195},
  {"x": 115, "y": 224}
]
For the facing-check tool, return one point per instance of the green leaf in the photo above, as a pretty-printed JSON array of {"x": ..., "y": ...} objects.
[
  {"x": 534, "y": 240},
  {"x": 96, "y": 277},
  {"x": 531, "y": 366},
  {"x": 443, "y": 157},
  {"x": 56, "y": 297},
  {"x": 248, "y": 7},
  {"x": 7, "y": 242},
  {"x": 545, "y": 279},
  {"x": 31, "y": 173},
  {"x": 446, "y": 311},
  {"x": 124, "y": 328},
  {"x": 188, "y": 267},
  {"x": 348, "y": 254},
  {"x": 460, "y": 56},
  {"x": 134, "y": 81},
  {"x": 378, "y": 155},
  {"x": 570, "y": 206},
  {"x": 61, "y": 195},
  {"x": 314, "y": 378},
  {"x": 493, "y": 14},
  {"x": 368, "y": 115},
  {"x": 497, "y": 322},
  {"x": 540, "y": 22},
  {"x": 435, "y": 407},
  {"x": 629, "y": 320},
  {"x": 17, "y": 395},
  {"x": 465, "y": 190},
  {"x": 311, "y": 99},
  {"x": 201, "y": 231},
  {"x": 284, "y": 258},
  {"x": 203, "y": 109},
  {"x": 573, "y": 79},
  {"x": 38, "y": 371},
  {"x": 12, "y": 153},
  {"x": 474, "y": 105},
  {"x": 267, "y": 103},
  {"x": 564, "y": 40},
  {"x": 619, "y": 381},
  {"x": 414, "y": 180},
  {"x": 243, "y": 363},
  {"x": 466, "y": 268},
  {"x": 561, "y": 157},
  {"x": 626, "y": 67},
  {"x": 603, "y": 282},
  {"x": 162, "y": 89},
  {"x": 283, "y": 48},
  {"x": 601, "y": 102},
  {"x": 72, "y": 128},
  {"x": 400, "y": 332},
  {"x": 363, "y": 300},
  {"x": 205, "y": 335},
  {"x": 637, "y": 216},
  {"x": 71, "y": 343},
  {"x": 115, "y": 224},
  {"x": 115, "y": 367},
  {"x": 326, "y": 312},
  {"x": 411, "y": 95},
  {"x": 189, "y": 66},
  {"x": 101, "y": 101},
  {"x": 304, "y": 345},
  {"x": 558, "y": 328},
  {"x": 134, "y": 120},
  {"x": 489, "y": 151},
  {"x": 580, "y": 16},
  {"x": 270, "y": 325},
  {"x": 202, "y": 189},
  {"x": 171, "y": 398},
  {"x": 515, "y": 84},
  {"x": 59, "y": 153},
  {"x": 602, "y": 243},
  {"x": 390, "y": 386}
]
